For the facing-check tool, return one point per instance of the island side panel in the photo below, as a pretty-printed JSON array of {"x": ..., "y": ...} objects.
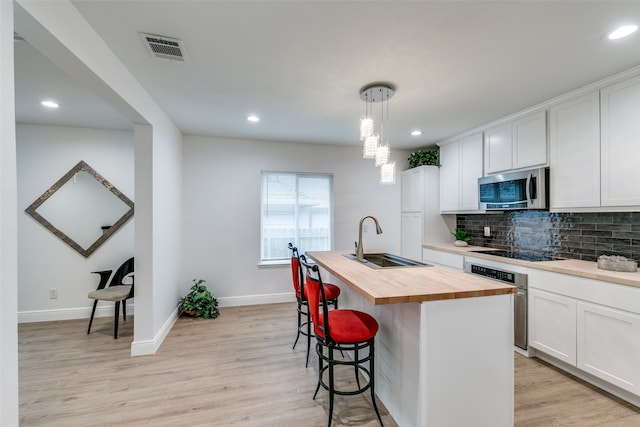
[
  {"x": 397, "y": 353},
  {"x": 466, "y": 362}
]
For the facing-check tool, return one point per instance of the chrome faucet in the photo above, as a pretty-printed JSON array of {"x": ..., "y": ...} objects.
[{"x": 359, "y": 250}]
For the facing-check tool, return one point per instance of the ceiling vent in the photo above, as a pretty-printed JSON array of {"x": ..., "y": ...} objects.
[{"x": 164, "y": 47}]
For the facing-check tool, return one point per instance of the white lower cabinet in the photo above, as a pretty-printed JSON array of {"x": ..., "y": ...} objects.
[
  {"x": 608, "y": 345},
  {"x": 552, "y": 325},
  {"x": 588, "y": 324}
]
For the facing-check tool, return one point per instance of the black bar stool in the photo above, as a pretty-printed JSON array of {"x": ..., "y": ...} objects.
[
  {"x": 344, "y": 330},
  {"x": 297, "y": 274}
]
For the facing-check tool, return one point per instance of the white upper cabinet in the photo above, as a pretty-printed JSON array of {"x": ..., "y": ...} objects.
[
  {"x": 461, "y": 167},
  {"x": 574, "y": 158},
  {"x": 450, "y": 177},
  {"x": 530, "y": 140},
  {"x": 518, "y": 144},
  {"x": 498, "y": 149},
  {"x": 620, "y": 143},
  {"x": 470, "y": 171},
  {"x": 412, "y": 190}
]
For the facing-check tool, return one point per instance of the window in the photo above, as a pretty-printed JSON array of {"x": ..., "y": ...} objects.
[{"x": 296, "y": 208}]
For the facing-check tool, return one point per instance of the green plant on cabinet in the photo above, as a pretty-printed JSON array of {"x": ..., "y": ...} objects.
[{"x": 422, "y": 158}]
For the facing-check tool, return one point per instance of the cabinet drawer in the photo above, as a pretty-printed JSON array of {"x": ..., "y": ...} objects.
[
  {"x": 622, "y": 297},
  {"x": 443, "y": 258}
]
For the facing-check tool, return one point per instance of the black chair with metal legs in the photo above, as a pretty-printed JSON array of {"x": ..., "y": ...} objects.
[
  {"x": 343, "y": 330},
  {"x": 117, "y": 291},
  {"x": 297, "y": 275}
]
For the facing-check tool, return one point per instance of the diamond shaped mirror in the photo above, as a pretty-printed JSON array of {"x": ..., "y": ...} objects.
[{"x": 82, "y": 208}]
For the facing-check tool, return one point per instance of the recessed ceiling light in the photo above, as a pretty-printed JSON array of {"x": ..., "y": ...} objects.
[
  {"x": 416, "y": 132},
  {"x": 622, "y": 31},
  {"x": 50, "y": 104},
  {"x": 253, "y": 118}
]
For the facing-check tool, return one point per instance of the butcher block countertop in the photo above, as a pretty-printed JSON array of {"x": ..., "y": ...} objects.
[
  {"x": 574, "y": 267},
  {"x": 406, "y": 284}
]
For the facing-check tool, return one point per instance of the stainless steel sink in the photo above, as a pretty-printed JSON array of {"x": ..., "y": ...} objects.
[{"x": 386, "y": 260}]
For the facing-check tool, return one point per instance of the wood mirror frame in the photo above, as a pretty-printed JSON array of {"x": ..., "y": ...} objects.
[{"x": 107, "y": 232}]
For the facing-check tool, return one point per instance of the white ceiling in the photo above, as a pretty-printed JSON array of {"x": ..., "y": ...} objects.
[{"x": 300, "y": 64}]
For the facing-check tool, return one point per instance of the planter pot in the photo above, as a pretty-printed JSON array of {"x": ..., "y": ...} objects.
[
  {"x": 189, "y": 313},
  {"x": 460, "y": 243}
]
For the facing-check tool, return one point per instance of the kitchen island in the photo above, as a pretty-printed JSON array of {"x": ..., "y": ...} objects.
[{"x": 444, "y": 351}]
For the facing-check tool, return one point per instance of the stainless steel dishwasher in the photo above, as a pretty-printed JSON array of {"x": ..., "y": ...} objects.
[{"x": 518, "y": 280}]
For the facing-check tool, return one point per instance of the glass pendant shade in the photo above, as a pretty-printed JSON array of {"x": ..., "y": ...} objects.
[
  {"x": 382, "y": 155},
  {"x": 370, "y": 147},
  {"x": 366, "y": 128},
  {"x": 376, "y": 138},
  {"x": 388, "y": 173}
]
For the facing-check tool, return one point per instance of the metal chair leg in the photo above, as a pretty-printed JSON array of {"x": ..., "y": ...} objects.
[
  {"x": 372, "y": 380},
  {"x": 115, "y": 321},
  {"x": 299, "y": 323},
  {"x": 95, "y": 304},
  {"x": 319, "y": 351},
  {"x": 331, "y": 386},
  {"x": 308, "y": 336}
]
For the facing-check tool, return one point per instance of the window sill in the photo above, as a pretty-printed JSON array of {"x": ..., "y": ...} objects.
[{"x": 274, "y": 264}]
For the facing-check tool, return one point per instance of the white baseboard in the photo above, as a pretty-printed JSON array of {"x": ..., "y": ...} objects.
[
  {"x": 256, "y": 299},
  {"x": 585, "y": 376},
  {"x": 107, "y": 310},
  {"x": 68, "y": 313},
  {"x": 147, "y": 347}
]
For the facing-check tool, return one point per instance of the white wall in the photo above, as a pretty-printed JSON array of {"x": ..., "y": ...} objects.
[
  {"x": 8, "y": 226},
  {"x": 59, "y": 31},
  {"x": 221, "y": 241},
  {"x": 46, "y": 153}
]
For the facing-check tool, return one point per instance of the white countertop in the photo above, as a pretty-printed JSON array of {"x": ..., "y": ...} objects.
[{"x": 587, "y": 269}]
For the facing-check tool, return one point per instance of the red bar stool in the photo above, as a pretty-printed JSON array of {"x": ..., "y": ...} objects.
[
  {"x": 332, "y": 292},
  {"x": 343, "y": 330}
]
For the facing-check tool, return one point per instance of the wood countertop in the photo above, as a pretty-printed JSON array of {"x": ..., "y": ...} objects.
[
  {"x": 406, "y": 284},
  {"x": 574, "y": 267}
]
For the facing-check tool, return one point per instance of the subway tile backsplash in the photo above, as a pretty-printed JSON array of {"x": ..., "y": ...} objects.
[{"x": 583, "y": 236}]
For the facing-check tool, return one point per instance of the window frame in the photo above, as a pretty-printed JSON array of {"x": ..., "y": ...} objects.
[{"x": 298, "y": 176}]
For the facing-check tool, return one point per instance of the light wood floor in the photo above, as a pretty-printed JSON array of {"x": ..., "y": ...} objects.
[{"x": 237, "y": 370}]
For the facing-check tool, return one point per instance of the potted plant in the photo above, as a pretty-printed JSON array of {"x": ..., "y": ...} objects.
[
  {"x": 199, "y": 302},
  {"x": 462, "y": 237},
  {"x": 421, "y": 158}
]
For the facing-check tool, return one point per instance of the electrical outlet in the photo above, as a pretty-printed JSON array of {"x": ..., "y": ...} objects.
[
  {"x": 53, "y": 293},
  {"x": 365, "y": 228},
  {"x": 487, "y": 232}
]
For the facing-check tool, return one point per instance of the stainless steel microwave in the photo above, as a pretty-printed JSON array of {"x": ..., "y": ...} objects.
[{"x": 515, "y": 190}]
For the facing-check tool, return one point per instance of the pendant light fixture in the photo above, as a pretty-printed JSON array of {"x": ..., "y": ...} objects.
[
  {"x": 376, "y": 144},
  {"x": 366, "y": 123},
  {"x": 388, "y": 173},
  {"x": 370, "y": 146}
]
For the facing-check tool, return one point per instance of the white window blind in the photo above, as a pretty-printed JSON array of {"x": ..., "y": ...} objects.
[{"x": 296, "y": 208}]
